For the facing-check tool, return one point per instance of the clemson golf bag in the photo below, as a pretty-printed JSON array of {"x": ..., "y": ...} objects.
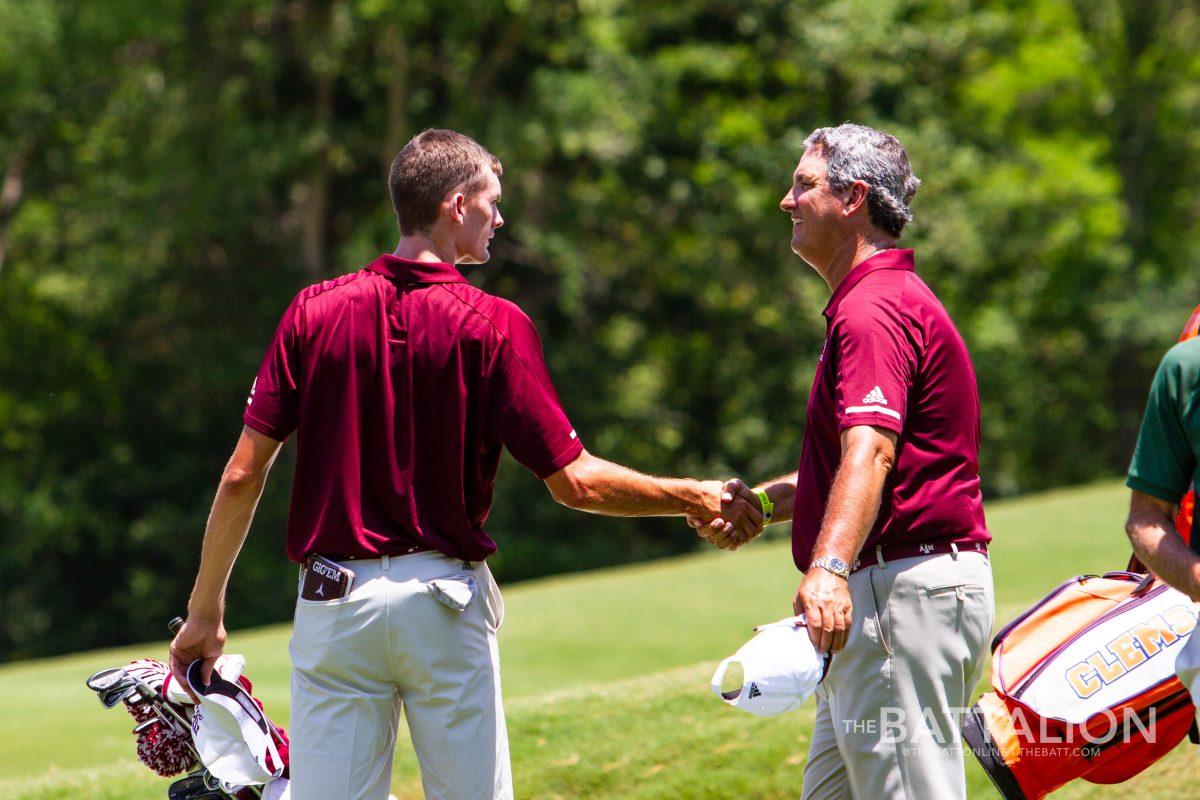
[{"x": 1084, "y": 686}]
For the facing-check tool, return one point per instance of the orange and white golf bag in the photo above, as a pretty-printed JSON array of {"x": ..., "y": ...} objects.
[{"x": 1084, "y": 686}]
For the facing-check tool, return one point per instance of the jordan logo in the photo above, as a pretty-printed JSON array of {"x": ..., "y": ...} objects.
[
  {"x": 875, "y": 397},
  {"x": 320, "y": 589}
]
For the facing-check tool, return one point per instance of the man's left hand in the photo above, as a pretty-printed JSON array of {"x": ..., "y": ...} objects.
[{"x": 824, "y": 598}]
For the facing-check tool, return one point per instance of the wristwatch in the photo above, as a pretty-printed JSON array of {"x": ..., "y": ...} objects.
[{"x": 832, "y": 564}]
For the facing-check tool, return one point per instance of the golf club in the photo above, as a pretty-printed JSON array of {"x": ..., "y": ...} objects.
[{"x": 111, "y": 685}]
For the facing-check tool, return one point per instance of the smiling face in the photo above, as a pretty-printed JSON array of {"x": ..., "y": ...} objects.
[
  {"x": 817, "y": 212},
  {"x": 480, "y": 211}
]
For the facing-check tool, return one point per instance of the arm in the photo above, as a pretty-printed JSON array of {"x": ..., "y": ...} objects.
[
  {"x": 203, "y": 634},
  {"x": 1151, "y": 531},
  {"x": 601, "y": 487},
  {"x": 782, "y": 491},
  {"x": 868, "y": 453}
]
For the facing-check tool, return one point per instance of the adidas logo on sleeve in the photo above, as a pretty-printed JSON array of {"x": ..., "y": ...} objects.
[
  {"x": 875, "y": 397},
  {"x": 874, "y": 403}
]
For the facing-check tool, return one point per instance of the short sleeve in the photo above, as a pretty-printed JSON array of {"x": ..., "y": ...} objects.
[
  {"x": 1163, "y": 461},
  {"x": 273, "y": 406},
  {"x": 533, "y": 425},
  {"x": 875, "y": 367}
]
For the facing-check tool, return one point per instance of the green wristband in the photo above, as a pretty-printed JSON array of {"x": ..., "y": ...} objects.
[{"x": 767, "y": 506}]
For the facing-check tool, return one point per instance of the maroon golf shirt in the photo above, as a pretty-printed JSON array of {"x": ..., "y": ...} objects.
[
  {"x": 893, "y": 358},
  {"x": 403, "y": 382}
]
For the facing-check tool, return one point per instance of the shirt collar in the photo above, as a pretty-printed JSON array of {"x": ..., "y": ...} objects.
[
  {"x": 884, "y": 259},
  {"x": 406, "y": 271}
]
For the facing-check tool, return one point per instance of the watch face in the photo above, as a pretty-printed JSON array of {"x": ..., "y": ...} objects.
[{"x": 837, "y": 565}]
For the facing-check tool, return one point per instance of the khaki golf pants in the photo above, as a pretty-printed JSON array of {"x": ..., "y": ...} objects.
[
  {"x": 889, "y": 711},
  {"x": 391, "y": 644}
]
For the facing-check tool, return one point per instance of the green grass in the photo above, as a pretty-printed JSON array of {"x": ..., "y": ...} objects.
[{"x": 605, "y": 677}]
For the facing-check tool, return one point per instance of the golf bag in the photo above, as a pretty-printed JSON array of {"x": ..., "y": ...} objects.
[
  {"x": 1084, "y": 686},
  {"x": 164, "y": 717}
]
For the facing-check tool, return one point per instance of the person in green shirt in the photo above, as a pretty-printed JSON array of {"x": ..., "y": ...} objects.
[{"x": 1164, "y": 468}]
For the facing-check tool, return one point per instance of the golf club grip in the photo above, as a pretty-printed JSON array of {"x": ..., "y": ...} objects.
[{"x": 174, "y": 625}]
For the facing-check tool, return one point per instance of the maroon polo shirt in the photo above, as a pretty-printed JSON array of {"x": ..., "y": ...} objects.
[
  {"x": 893, "y": 358},
  {"x": 403, "y": 382}
]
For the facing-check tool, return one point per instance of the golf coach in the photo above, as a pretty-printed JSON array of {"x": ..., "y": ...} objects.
[
  {"x": 887, "y": 516},
  {"x": 402, "y": 383}
]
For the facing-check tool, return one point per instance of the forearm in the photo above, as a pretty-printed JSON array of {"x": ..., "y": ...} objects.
[
  {"x": 1159, "y": 546},
  {"x": 228, "y": 523},
  {"x": 852, "y": 507},
  {"x": 782, "y": 492},
  {"x": 602, "y": 487}
]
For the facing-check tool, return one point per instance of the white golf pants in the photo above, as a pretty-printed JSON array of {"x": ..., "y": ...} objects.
[{"x": 390, "y": 643}]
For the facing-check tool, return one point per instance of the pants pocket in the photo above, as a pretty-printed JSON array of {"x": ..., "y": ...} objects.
[
  {"x": 455, "y": 592},
  {"x": 879, "y": 609},
  {"x": 960, "y": 590},
  {"x": 493, "y": 600}
]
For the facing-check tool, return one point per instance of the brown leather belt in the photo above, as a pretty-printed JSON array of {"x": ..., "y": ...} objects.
[{"x": 885, "y": 553}]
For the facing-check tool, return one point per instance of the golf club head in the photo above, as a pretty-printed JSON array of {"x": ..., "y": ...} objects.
[
  {"x": 111, "y": 685},
  {"x": 197, "y": 786},
  {"x": 150, "y": 723}
]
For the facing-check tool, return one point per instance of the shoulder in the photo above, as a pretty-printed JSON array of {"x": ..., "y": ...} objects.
[
  {"x": 879, "y": 299},
  {"x": 1179, "y": 371},
  {"x": 1183, "y": 357},
  {"x": 503, "y": 316},
  {"x": 341, "y": 286}
]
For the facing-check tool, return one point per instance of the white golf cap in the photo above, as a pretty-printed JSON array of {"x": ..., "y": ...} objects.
[
  {"x": 780, "y": 670},
  {"x": 233, "y": 736}
]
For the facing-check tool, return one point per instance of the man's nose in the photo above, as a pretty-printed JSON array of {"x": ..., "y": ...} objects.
[{"x": 788, "y": 202}]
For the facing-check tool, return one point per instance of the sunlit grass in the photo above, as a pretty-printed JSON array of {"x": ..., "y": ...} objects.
[{"x": 605, "y": 677}]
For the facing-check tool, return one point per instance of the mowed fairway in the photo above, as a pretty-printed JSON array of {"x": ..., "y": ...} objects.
[{"x": 605, "y": 676}]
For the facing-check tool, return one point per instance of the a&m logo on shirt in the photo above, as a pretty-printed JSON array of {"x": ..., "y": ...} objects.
[{"x": 253, "y": 386}]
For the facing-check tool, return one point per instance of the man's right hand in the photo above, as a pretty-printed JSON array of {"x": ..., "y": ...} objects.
[
  {"x": 739, "y": 520},
  {"x": 197, "y": 639}
]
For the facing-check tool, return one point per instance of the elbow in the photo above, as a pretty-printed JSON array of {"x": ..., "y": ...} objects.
[
  {"x": 575, "y": 494},
  {"x": 239, "y": 480},
  {"x": 574, "y": 487}
]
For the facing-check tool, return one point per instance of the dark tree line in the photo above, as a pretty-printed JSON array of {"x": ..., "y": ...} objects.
[{"x": 171, "y": 173}]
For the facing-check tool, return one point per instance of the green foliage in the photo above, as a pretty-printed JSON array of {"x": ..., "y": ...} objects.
[{"x": 172, "y": 173}]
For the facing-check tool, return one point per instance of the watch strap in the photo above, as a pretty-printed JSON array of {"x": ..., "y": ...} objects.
[{"x": 832, "y": 565}]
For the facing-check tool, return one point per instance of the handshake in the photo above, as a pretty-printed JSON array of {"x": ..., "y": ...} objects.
[{"x": 738, "y": 516}]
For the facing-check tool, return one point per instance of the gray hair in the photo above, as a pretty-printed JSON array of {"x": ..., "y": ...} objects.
[{"x": 858, "y": 153}]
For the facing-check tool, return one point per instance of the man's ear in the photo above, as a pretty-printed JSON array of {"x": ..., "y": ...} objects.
[
  {"x": 458, "y": 206},
  {"x": 856, "y": 197}
]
